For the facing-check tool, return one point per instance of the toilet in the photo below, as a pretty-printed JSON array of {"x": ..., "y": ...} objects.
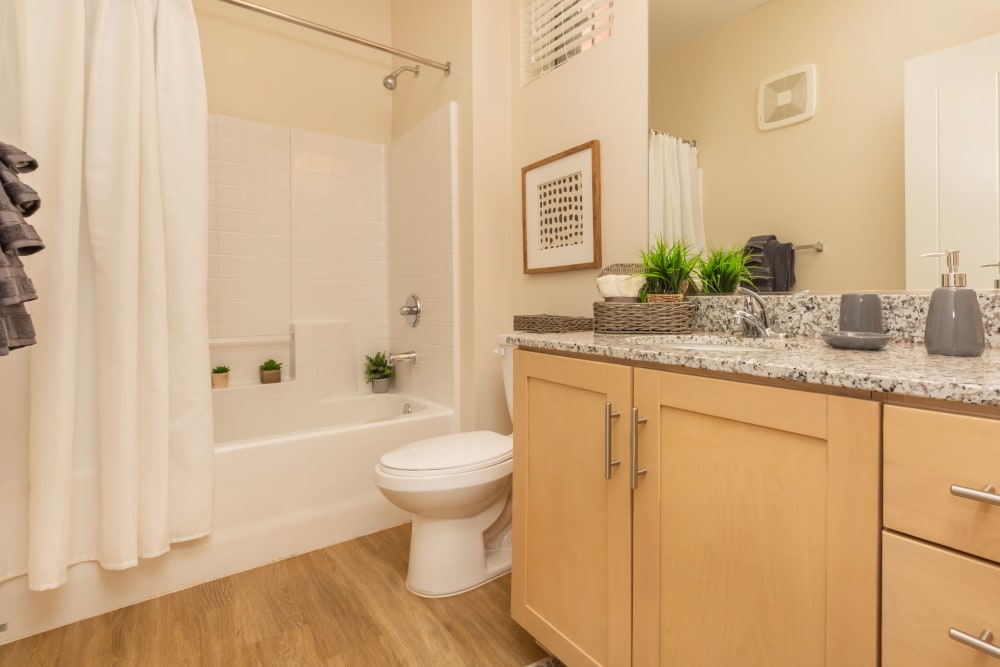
[{"x": 458, "y": 488}]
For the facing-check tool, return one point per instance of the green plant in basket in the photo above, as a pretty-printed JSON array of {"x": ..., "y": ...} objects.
[
  {"x": 722, "y": 270},
  {"x": 270, "y": 365},
  {"x": 667, "y": 268},
  {"x": 220, "y": 369},
  {"x": 378, "y": 367}
]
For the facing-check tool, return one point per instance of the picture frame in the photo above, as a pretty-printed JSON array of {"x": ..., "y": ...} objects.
[{"x": 561, "y": 210}]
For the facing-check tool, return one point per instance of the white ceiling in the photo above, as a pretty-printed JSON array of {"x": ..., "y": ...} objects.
[{"x": 673, "y": 22}]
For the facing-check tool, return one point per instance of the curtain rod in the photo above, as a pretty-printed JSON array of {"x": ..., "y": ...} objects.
[
  {"x": 692, "y": 142},
  {"x": 446, "y": 67}
]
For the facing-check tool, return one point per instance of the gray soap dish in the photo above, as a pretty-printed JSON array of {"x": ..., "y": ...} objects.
[{"x": 856, "y": 340}]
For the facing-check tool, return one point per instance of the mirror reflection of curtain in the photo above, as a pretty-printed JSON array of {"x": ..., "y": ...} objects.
[{"x": 675, "y": 191}]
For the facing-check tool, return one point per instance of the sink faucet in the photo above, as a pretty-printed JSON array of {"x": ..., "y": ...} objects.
[
  {"x": 402, "y": 356},
  {"x": 753, "y": 316}
]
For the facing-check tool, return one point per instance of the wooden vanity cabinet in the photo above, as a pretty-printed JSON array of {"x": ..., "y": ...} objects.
[
  {"x": 941, "y": 547},
  {"x": 751, "y": 537},
  {"x": 572, "y": 542},
  {"x": 756, "y": 527}
]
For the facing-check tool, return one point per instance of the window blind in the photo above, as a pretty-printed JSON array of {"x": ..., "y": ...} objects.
[{"x": 553, "y": 31}]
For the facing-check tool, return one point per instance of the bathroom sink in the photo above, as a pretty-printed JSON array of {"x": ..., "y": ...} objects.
[
  {"x": 713, "y": 347},
  {"x": 709, "y": 343}
]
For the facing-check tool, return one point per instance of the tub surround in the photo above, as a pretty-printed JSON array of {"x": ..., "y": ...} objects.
[{"x": 904, "y": 367}]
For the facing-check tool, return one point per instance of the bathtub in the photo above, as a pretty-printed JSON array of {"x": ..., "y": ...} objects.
[{"x": 294, "y": 471}]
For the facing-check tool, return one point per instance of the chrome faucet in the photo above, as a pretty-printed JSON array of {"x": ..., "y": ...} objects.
[
  {"x": 402, "y": 356},
  {"x": 753, "y": 316}
]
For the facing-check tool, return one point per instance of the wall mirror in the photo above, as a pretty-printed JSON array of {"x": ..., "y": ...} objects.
[{"x": 837, "y": 177}]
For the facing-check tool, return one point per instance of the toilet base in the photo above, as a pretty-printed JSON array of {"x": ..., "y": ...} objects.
[{"x": 451, "y": 556}]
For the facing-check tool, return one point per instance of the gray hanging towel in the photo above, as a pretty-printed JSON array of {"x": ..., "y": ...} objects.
[
  {"x": 16, "y": 236},
  {"x": 17, "y": 326},
  {"x": 15, "y": 285},
  {"x": 22, "y": 196},
  {"x": 771, "y": 263},
  {"x": 18, "y": 161}
]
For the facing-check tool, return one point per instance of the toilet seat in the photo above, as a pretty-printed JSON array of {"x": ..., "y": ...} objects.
[{"x": 448, "y": 455}]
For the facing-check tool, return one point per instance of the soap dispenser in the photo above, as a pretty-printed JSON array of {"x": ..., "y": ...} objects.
[{"x": 954, "y": 321}]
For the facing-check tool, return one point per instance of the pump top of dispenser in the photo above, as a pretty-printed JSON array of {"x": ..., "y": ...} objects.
[{"x": 954, "y": 277}]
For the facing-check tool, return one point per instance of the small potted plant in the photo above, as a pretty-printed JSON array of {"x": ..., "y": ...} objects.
[
  {"x": 378, "y": 372},
  {"x": 220, "y": 377},
  {"x": 270, "y": 372},
  {"x": 722, "y": 270},
  {"x": 667, "y": 269}
]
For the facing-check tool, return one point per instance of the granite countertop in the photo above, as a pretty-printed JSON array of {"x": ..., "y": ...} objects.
[{"x": 900, "y": 368}]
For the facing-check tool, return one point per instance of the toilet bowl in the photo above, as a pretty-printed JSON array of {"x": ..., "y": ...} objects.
[{"x": 458, "y": 488}]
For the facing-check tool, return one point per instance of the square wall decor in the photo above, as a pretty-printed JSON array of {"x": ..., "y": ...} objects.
[{"x": 561, "y": 210}]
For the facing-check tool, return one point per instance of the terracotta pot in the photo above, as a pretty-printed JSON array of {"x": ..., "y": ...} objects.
[
  {"x": 220, "y": 380},
  {"x": 380, "y": 385},
  {"x": 270, "y": 377}
]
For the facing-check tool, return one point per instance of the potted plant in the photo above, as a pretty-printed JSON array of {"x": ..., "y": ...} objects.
[
  {"x": 667, "y": 269},
  {"x": 270, "y": 372},
  {"x": 722, "y": 270},
  {"x": 220, "y": 377},
  {"x": 378, "y": 372}
]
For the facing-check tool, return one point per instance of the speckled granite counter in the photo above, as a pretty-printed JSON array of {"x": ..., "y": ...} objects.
[{"x": 901, "y": 368}]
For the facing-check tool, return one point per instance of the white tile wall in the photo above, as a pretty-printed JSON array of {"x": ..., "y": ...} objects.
[
  {"x": 302, "y": 253},
  {"x": 297, "y": 235},
  {"x": 423, "y": 254}
]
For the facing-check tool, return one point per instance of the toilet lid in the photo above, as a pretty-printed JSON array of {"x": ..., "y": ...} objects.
[{"x": 458, "y": 452}]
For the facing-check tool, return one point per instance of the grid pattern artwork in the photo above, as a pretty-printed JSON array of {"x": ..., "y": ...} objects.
[{"x": 560, "y": 206}]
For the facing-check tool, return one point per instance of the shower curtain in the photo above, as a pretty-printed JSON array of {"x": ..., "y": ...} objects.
[
  {"x": 109, "y": 96},
  {"x": 675, "y": 195}
]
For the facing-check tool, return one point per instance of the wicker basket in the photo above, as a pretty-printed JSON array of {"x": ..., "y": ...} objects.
[
  {"x": 664, "y": 298},
  {"x": 634, "y": 318},
  {"x": 552, "y": 323}
]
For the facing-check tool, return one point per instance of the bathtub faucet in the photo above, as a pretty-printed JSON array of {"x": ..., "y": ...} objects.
[{"x": 402, "y": 356}]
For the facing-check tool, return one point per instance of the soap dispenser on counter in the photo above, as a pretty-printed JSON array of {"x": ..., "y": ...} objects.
[{"x": 954, "y": 321}]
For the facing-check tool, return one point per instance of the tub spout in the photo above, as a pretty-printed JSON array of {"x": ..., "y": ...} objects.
[{"x": 402, "y": 356}]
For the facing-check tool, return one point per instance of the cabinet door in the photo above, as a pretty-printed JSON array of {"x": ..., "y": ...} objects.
[
  {"x": 756, "y": 525},
  {"x": 571, "y": 578}
]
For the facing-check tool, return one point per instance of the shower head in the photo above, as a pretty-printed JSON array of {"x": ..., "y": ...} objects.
[{"x": 390, "y": 80}]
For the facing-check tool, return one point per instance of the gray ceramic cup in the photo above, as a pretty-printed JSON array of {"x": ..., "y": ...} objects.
[{"x": 861, "y": 312}]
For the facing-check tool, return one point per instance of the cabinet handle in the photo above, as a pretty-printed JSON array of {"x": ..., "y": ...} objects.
[
  {"x": 980, "y": 643},
  {"x": 987, "y": 495},
  {"x": 608, "y": 463},
  {"x": 635, "y": 448}
]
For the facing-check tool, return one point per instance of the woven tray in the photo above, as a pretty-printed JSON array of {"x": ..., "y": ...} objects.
[
  {"x": 634, "y": 318},
  {"x": 552, "y": 323}
]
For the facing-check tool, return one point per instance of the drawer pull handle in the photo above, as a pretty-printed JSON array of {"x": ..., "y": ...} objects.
[
  {"x": 608, "y": 463},
  {"x": 987, "y": 495},
  {"x": 980, "y": 643}
]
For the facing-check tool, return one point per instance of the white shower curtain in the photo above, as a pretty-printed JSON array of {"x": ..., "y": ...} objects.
[
  {"x": 675, "y": 194},
  {"x": 109, "y": 97}
]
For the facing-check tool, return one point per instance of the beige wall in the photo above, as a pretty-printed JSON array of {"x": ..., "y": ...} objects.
[
  {"x": 493, "y": 242},
  {"x": 263, "y": 69},
  {"x": 600, "y": 94},
  {"x": 837, "y": 178}
]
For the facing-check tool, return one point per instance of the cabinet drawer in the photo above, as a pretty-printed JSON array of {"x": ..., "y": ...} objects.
[
  {"x": 928, "y": 590},
  {"x": 925, "y": 453}
]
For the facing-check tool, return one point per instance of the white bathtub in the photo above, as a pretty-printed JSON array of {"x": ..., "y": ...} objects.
[
  {"x": 293, "y": 474},
  {"x": 294, "y": 471}
]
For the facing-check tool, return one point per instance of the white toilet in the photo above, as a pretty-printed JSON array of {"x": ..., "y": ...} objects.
[{"x": 458, "y": 488}]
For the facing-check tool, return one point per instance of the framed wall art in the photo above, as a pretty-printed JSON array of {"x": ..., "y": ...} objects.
[{"x": 561, "y": 210}]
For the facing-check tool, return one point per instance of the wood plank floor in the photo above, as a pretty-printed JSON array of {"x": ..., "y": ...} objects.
[{"x": 343, "y": 605}]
